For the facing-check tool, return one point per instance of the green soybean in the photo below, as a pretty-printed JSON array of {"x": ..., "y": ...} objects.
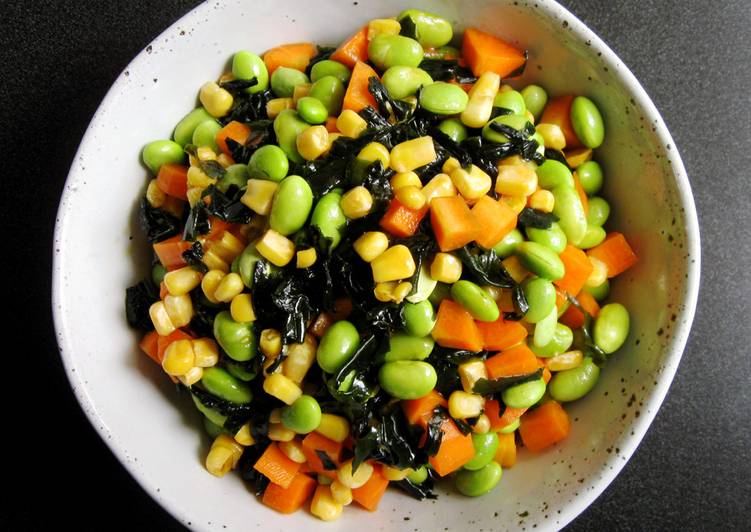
[
  {"x": 312, "y": 110},
  {"x": 443, "y": 98},
  {"x": 442, "y": 52},
  {"x": 292, "y": 204},
  {"x": 219, "y": 382},
  {"x": 480, "y": 482},
  {"x": 404, "y": 81},
  {"x": 511, "y": 427},
  {"x": 570, "y": 212},
  {"x": 419, "y": 318},
  {"x": 587, "y": 122},
  {"x": 246, "y": 264},
  {"x": 407, "y": 379},
  {"x": 303, "y": 416},
  {"x": 540, "y": 142},
  {"x": 540, "y": 294},
  {"x": 507, "y": 246},
  {"x": 247, "y": 65},
  {"x": 599, "y": 292},
  {"x": 611, "y": 327},
  {"x": 593, "y": 237},
  {"x": 590, "y": 177},
  {"x": 329, "y": 90},
  {"x": 511, "y": 100},
  {"x": 485, "y": 447},
  {"x": 337, "y": 346},
  {"x": 475, "y": 300},
  {"x": 524, "y": 395},
  {"x": 553, "y": 237},
  {"x": 236, "y": 174},
  {"x": 419, "y": 475},
  {"x": 329, "y": 218},
  {"x": 211, "y": 414},
  {"x": 386, "y": 51},
  {"x": 599, "y": 211},
  {"x": 285, "y": 79},
  {"x": 205, "y": 134},
  {"x": 408, "y": 347},
  {"x": 575, "y": 383},
  {"x": 431, "y": 31},
  {"x": 237, "y": 339},
  {"x": 184, "y": 129},
  {"x": 545, "y": 328},
  {"x": 211, "y": 428},
  {"x": 269, "y": 162},
  {"x": 157, "y": 273},
  {"x": 454, "y": 128},
  {"x": 562, "y": 339},
  {"x": 160, "y": 152},
  {"x": 240, "y": 371},
  {"x": 328, "y": 67},
  {"x": 540, "y": 260},
  {"x": 287, "y": 125},
  {"x": 535, "y": 98},
  {"x": 517, "y": 122},
  {"x": 552, "y": 173},
  {"x": 440, "y": 292}
]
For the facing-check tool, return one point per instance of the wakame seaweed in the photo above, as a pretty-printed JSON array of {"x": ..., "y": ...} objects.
[
  {"x": 193, "y": 256},
  {"x": 138, "y": 299},
  {"x": 536, "y": 218},
  {"x": 328, "y": 463},
  {"x": 157, "y": 224},
  {"x": 197, "y": 223},
  {"x": 322, "y": 53},
  {"x": 485, "y": 267},
  {"x": 591, "y": 349},
  {"x": 488, "y": 386},
  {"x": 227, "y": 205},
  {"x": 447, "y": 70},
  {"x": 248, "y": 107},
  {"x": 417, "y": 491}
]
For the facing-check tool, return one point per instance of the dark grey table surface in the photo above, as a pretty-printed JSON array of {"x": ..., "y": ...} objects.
[{"x": 692, "y": 471}]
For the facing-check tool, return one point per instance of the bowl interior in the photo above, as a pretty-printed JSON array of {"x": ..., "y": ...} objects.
[{"x": 99, "y": 250}]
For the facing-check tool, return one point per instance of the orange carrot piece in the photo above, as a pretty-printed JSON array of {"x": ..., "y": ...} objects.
[
  {"x": 496, "y": 219},
  {"x": 498, "y": 420},
  {"x": 331, "y": 125},
  {"x": 402, "y": 221},
  {"x": 573, "y": 317},
  {"x": 544, "y": 426},
  {"x": 582, "y": 195},
  {"x": 163, "y": 342},
  {"x": 274, "y": 465},
  {"x": 487, "y": 53},
  {"x": 456, "y": 449},
  {"x": 354, "y": 49},
  {"x": 518, "y": 360},
  {"x": 369, "y": 494},
  {"x": 289, "y": 500},
  {"x": 316, "y": 442},
  {"x": 578, "y": 268},
  {"x": 546, "y": 374},
  {"x": 500, "y": 335},
  {"x": 148, "y": 345},
  {"x": 558, "y": 112},
  {"x": 296, "y": 55},
  {"x": 419, "y": 410},
  {"x": 505, "y": 455},
  {"x": 357, "y": 97},
  {"x": 453, "y": 223},
  {"x": 615, "y": 253},
  {"x": 170, "y": 252},
  {"x": 172, "y": 179},
  {"x": 455, "y": 328},
  {"x": 236, "y": 131}
]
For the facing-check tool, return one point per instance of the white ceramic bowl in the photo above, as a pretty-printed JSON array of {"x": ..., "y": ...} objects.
[{"x": 99, "y": 250}]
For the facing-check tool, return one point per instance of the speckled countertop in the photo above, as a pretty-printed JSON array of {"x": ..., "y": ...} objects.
[{"x": 691, "y": 471}]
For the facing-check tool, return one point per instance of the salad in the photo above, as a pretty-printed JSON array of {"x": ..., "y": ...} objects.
[{"x": 379, "y": 264}]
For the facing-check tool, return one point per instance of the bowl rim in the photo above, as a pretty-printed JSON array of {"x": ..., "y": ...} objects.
[{"x": 674, "y": 349}]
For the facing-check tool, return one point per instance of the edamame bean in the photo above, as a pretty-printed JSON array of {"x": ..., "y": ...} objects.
[
  {"x": 419, "y": 318},
  {"x": 312, "y": 110},
  {"x": 587, "y": 122},
  {"x": 268, "y": 162},
  {"x": 480, "y": 482},
  {"x": 407, "y": 347},
  {"x": 329, "y": 218},
  {"x": 205, "y": 134},
  {"x": 593, "y": 237},
  {"x": 329, "y": 90},
  {"x": 535, "y": 98},
  {"x": 475, "y": 300},
  {"x": 545, "y": 328},
  {"x": 506, "y": 247},
  {"x": 245, "y": 264},
  {"x": 236, "y": 174},
  {"x": 553, "y": 237},
  {"x": 184, "y": 129},
  {"x": 287, "y": 125},
  {"x": 599, "y": 211},
  {"x": 240, "y": 371},
  {"x": 431, "y": 31},
  {"x": 419, "y": 475},
  {"x": 211, "y": 428},
  {"x": 328, "y": 67},
  {"x": 537, "y": 137},
  {"x": 524, "y": 395},
  {"x": 237, "y": 339},
  {"x": 540, "y": 294},
  {"x": 403, "y": 81},
  {"x": 575, "y": 383},
  {"x": 337, "y": 346},
  {"x": 219, "y": 382},
  {"x": 611, "y": 327},
  {"x": 211, "y": 414},
  {"x": 285, "y": 79},
  {"x": 540, "y": 260},
  {"x": 511, "y": 427},
  {"x": 303, "y": 416},
  {"x": 485, "y": 447},
  {"x": 552, "y": 173},
  {"x": 443, "y": 98},
  {"x": 517, "y": 122},
  {"x": 570, "y": 212},
  {"x": 511, "y": 100},
  {"x": 561, "y": 341},
  {"x": 160, "y": 152},
  {"x": 157, "y": 273},
  {"x": 454, "y": 128},
  {"x": 440, "y": 292},
  {"x": 291, "y": 207},
  {"x": 247, "y": 65},
  {"x": 407, "y": 379},
  {"x": 590, "y": 177},
  {"x": 442, "y": 52},
  {"x": 386, "y": 51},
  {"x": 599, "y": 292}
]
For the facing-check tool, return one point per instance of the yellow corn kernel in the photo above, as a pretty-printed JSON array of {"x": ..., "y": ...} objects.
[
  {"x": 517, "y": 160},
  {"x": 179, "y": 358},
  {"x": 227, "y": 76},
  {"x": 321, "y": 324},
  {"x": 154, "y": 195},
  {"x": 482, "y": 425},
  {"x": 205, "y": 153},
  {"x": 160, "y": 319},
  {"x": 206, "y": 352},
  {"x": 553, "y": 136},
  {"x": 182, "y": 281},
  {"x": 514, "y": 268},
  {"x": 313, "y": 142},
  {"x": 214, "y": 262},
  {"x": 516, "y": 180},
  {"x": 384, "y": 292},
  {"x": 216, "y": 100},
  {"x": 393, "y": 264},
  {"x": 193, "y": 375},
  {"x": 225, "y": 441},
  {"x": 275, "y": 416},
  {"x": 356, "y": 202},
  {"x": 179, "y": 309},
  {"x": 530, "y": 117},
  {"x": 505, "y": 88},
  {"x": 472, "y": 183},
  {"x": 259, "y": 195},
  {"x": 405, "y": 179},
  {"x": 493, "y": 291},
  {"x": 332, "y": 138},
  {"x": 578, "y": 157},
  {"x": 281, "y": 387},
  {"x": 219, "y": 461},
  {"x": 230, "y": 286},
  {"x": 300, "y": 91},
  {"x": 306, "y": 258},
  {"x": 411, "y": 197},
  {"x": 244, "y": 436},
  {"x": 270, "y": 343},
  {"x": 564, "y": 361},
  {"x": 241, "y": 308},
  {"x": 194, "y": 195},
  {"x": 394, "y": 474},
  {"x": 542, "y": 200},
  {"x": 371, "y": 244},
  {"x": 293, "y": 450},
  {"x": 300, "y": 358},
  {"x": 599, "y": 273},
  {"x": 451, "y": 164},
  {"x": 357, "y": 479},
  {"x": 278, "y": 432},
  {"x": 440, "y": 186},
  {"x": 412, "y": 154},
  {"x": 350, "y": 124},
  {"x": 446, "y": 268},
  {"x": 470, "y": 372},
  {"x": 515, "y": 203},
  {"x": 225, "y": 160},
  {"x": 375, "y": 151},
  {"x": 340, "y": 493},
  {"x": 480, "y": 104},
  {"x": 228, "y": 247},
  {"x": 463, "y": 405},
  {"x": 334, "y": 427},
  {"x": 401, "y": 291},
  {"x": 323, "y": 505},
  {"x": 276, "y": 248},
  {"x": 277, "y": 105},
  {"x": 383, "y": 26},
  {"x": 210, "y": 281}
]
